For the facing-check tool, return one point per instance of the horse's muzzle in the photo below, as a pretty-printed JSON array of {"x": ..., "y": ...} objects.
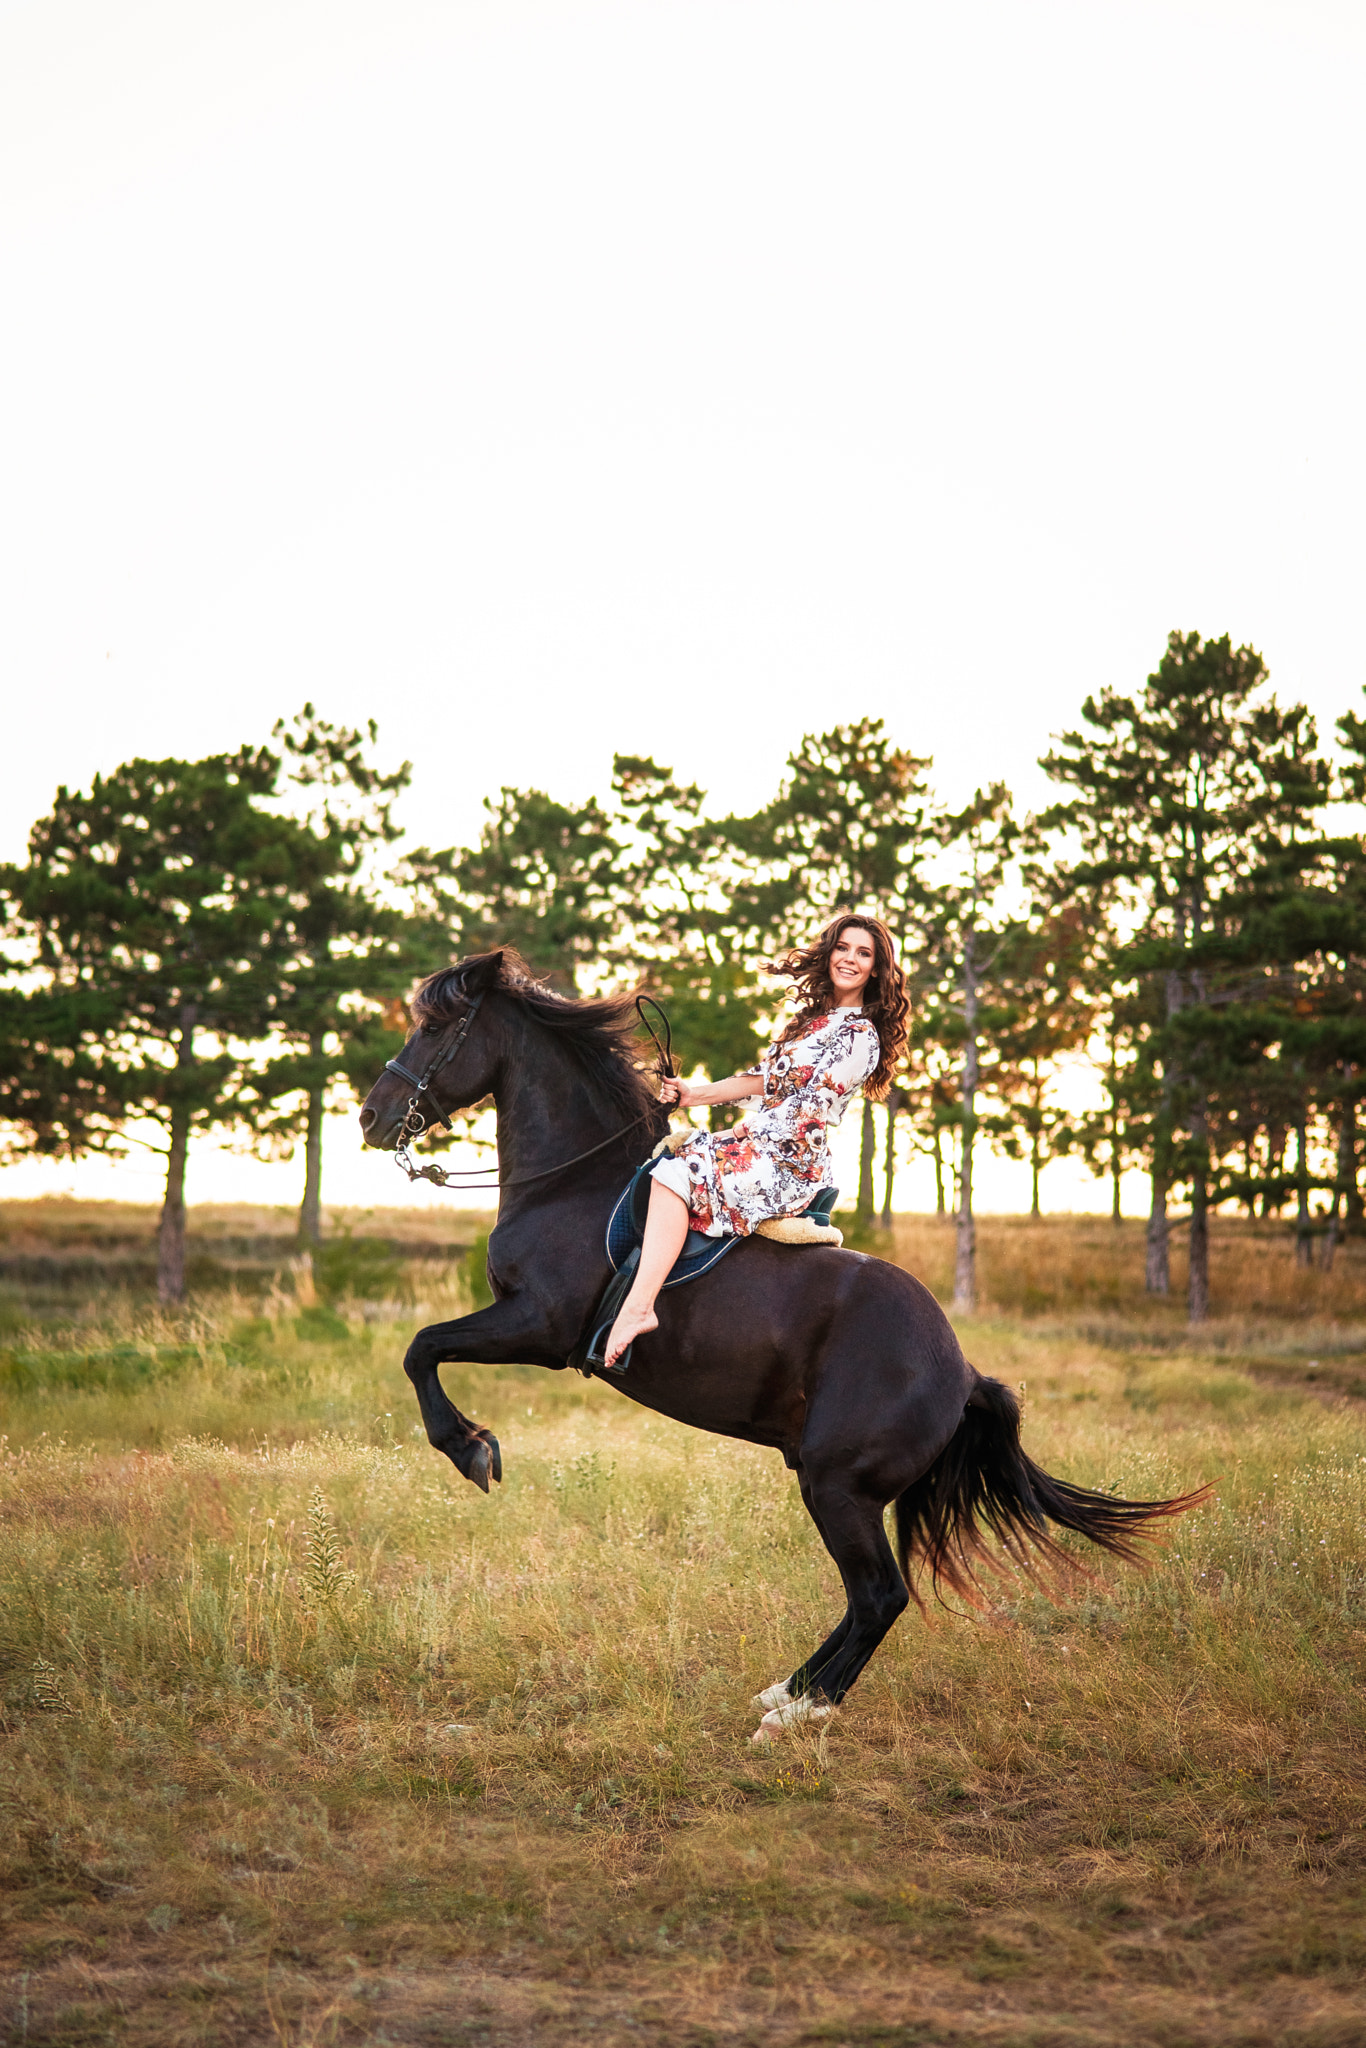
[{"x": 380, "y": 1132}]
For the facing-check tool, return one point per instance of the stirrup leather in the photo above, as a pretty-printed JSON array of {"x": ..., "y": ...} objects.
[{"x": 591, "y": 1356}]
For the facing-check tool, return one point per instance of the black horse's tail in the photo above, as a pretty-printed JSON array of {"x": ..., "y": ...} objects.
[{"x": 982, "y": 1484}]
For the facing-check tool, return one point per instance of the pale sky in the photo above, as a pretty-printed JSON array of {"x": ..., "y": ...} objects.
[{"x": 548, "y": 379}]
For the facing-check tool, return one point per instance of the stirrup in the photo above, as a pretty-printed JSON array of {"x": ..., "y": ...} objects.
[{"x": 613, "y": 1295}]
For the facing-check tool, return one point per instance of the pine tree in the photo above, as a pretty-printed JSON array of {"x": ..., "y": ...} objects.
[
  {"x": 147, "y": 935},
  {"x": 353, "y": 953},
  {"x": 1043, "y": 1016},
  {"x": 1115, "y": 1135},
  {"x": 1288, "y": 1014},
  {"x": 928, "y": 1086},
  {"x": 968, "y": 930},
  {"x": 540, "y": 879},
  {"x": 679, "y": 927},
  {"x": 1174, "y": 788}
]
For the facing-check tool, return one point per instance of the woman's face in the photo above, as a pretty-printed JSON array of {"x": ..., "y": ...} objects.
[{"x": 852, "y": 962}]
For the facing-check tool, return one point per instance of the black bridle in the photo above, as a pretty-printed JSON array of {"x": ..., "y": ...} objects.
[{"x": 415, "y": 1122}]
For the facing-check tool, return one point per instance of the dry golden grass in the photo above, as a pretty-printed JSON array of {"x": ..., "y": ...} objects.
[
  {"x": 60, "y": 1219},
  {"x": 306, "y": 1741},
  {"x": 62, "y": 1256},
  {"x": 1083, "y": 1264}
]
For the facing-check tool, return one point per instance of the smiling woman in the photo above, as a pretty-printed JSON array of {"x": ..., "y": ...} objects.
[{"x": 845, "y": 1039}]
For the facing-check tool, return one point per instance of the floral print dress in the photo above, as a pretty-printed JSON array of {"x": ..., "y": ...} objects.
[{"x": 773, "y": 1162}]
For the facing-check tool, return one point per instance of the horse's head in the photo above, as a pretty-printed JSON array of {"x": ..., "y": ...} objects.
[{"x": 450, "y": 1058}]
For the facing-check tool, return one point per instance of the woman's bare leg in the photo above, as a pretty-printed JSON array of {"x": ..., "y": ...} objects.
[{"x": 666, "y": 1230}]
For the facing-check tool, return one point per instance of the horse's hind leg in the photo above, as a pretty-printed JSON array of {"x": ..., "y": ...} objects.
[
  {"x": 851, "y": 1529},
  {"x": 876, "y": 1591},
  {"x": 787, "y": 1689}
]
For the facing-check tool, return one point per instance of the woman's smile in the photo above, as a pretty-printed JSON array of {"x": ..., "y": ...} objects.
[{"x": 851, "y": 964}]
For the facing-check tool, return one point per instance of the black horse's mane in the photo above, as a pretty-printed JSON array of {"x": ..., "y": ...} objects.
[{"x": 598, "y": 1033}]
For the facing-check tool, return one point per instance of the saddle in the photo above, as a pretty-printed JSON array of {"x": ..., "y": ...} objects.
[{"x": 625, "y": 1233}]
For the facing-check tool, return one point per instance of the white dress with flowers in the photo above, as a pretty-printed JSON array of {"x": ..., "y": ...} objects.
[{"x": 773, "y": 1162}]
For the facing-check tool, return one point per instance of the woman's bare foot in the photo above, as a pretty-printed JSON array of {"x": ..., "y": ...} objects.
[{"x": 633, "y": 1321}]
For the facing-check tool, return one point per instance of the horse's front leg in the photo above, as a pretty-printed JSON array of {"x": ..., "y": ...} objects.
[{"x": 503, "y": 1334}]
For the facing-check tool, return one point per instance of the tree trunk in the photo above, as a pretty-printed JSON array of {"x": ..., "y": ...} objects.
[
  {"x": 965, "y": 1263},
  {"x": 1304, "y": 1225},
  {"x": 894, "y": 1101},
  {"x": 1346, "y": 1174},
  {"x": 1353, "y": 1203},
  {"x": 1035, "y": 1107},
  {"x": 1157, "y": 1276},
  {"x": 1197, "y": 1284},
  {"x": 865, "y": 1166},
  {"x": 1116, "y": 1152},
  {"x": 939, "y": 1204},
  {"x": 171, "y": 1229},
  {"x": 311, "y": 1208}
]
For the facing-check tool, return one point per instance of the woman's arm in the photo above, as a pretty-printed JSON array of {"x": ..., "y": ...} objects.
[{"x": 697, "y": 1094}]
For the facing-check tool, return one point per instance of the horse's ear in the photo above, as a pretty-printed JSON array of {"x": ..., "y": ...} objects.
[{"x": 480, "y": 974}]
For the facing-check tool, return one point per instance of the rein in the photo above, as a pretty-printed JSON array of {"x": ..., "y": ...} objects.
[{"x": 415, "y": 1122}]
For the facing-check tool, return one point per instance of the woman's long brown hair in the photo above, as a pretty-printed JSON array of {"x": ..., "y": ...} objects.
[{"x": 885, "y": 1001}]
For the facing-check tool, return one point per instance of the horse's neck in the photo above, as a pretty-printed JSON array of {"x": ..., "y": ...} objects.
[{"x": 546, "y": 1117}]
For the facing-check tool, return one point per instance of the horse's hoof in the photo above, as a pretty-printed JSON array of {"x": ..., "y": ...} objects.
[
  {"x": 474, "y": 1462},
  {"x": 477, "y": 1459},
  {"x": 791, "y": 1714},
  {"x": 775, "y": 1696}
]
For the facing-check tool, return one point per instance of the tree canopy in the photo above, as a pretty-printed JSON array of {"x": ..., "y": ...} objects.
[
  {"x": 154, "y": 919},
  {"x": 222, "y": 945}
]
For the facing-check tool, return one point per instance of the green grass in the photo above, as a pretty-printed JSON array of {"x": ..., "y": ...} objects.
[{"x": 304, "y": 1740}]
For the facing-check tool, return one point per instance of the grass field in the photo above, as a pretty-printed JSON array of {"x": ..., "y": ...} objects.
[{"x": 306, "y": 1741}]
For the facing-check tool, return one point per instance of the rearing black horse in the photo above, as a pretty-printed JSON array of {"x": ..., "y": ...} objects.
[{"x": 845, "y": 1364}]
